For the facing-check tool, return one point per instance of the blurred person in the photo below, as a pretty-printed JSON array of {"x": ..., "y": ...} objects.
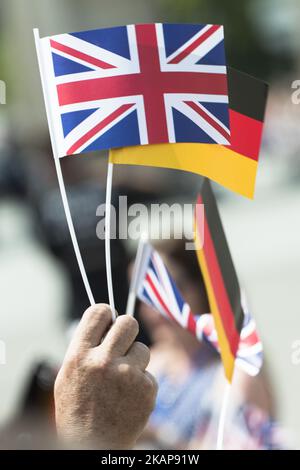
[{"x": 191, "y": 379}]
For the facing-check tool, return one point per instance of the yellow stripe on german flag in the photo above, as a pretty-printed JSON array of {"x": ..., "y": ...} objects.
[
  {"x": 233, "y": 166},
  {"x": 219, "y": 276}
]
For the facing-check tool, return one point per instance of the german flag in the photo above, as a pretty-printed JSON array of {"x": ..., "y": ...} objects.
[
  {"x": 233, "y": 166},
  {"x": 219, "y": 276}
]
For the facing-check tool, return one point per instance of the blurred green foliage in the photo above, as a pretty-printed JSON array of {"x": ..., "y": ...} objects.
[{"x": 245, "y": 46}]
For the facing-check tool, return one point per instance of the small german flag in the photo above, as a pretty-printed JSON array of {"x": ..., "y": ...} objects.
[
  {"x": 234, "y": 166},
  {"x": 219, "y": 276}
]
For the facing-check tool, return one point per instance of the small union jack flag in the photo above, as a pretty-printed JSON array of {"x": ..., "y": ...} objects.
[
  {"x": 135, "y": 85},
  {"x": 156, "y": 288}
]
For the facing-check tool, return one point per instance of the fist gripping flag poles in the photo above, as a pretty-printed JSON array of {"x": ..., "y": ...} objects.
[{"x": 132, "y": 86}]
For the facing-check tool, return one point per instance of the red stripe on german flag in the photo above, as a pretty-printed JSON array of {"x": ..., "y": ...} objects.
[
  {"x": 246, "y": 135},
  {"x": 220, "y": 278}
]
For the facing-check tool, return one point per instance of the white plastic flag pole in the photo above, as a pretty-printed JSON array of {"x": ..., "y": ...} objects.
[
  {"x": 72, "y": 232},
  {"x": 222, "y": 418},
  {"x": 59, "y": 172},
  {"x": 107, "y": 240},
  {"x": 130, "y": 307},
  {"x": 135, "y": 276}
]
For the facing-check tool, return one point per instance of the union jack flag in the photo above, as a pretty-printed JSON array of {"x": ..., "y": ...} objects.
[
  {"x": 136, "y": 85},
  {"x": 156, "y": 288}
]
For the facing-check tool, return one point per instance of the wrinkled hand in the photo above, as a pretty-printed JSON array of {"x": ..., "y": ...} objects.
[{"x": 103, "y": 395}]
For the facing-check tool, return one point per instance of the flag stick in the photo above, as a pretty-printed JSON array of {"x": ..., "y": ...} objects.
[
  {"x": 135, "y": 276},
  {"x": 59, "y": 173},
  {"x": 107, "y": 240},
  {"x": 130, "y": 307},
  {"x": 72, "y": 231},
  {"x": 221, "y": 424}
]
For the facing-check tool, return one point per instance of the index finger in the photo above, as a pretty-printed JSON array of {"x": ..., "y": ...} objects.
[{"x": 92, "y": 327}]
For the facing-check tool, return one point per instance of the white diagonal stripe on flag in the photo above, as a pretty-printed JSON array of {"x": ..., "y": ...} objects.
[
  {"x": 213, "y": 40},
  {"x": 91, "y": 50},
  {"x": 189, "y": 42},
  {"x": 90, "y": 122},
  {"x": 201, "y": 122}
]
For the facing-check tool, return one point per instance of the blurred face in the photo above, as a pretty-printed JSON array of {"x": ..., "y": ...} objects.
[{"x": 162, "y": 329}]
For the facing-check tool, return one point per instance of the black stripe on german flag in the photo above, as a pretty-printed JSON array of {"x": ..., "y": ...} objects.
[
  {"x": 220, "y": 277},
  {"x": 247, "y": 95},
  {"x": 221, "y": 248}
]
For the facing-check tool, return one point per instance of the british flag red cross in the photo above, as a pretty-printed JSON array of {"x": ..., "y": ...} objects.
[{"x": 136, "y": 85}]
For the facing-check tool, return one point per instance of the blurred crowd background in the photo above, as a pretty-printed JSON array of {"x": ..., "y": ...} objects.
[{"x": 41, "y": 293}]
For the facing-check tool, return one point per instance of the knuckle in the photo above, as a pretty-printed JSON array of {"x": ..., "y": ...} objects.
[
  {"x": 125, "y": 370},
  {"x": 102, "y": 365},
  {"x": 99, "y": 364},
  {"x": 73, "y": 361},
  {"x": 78, "y": 363},
  {"x": 127, "y": 375}
]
